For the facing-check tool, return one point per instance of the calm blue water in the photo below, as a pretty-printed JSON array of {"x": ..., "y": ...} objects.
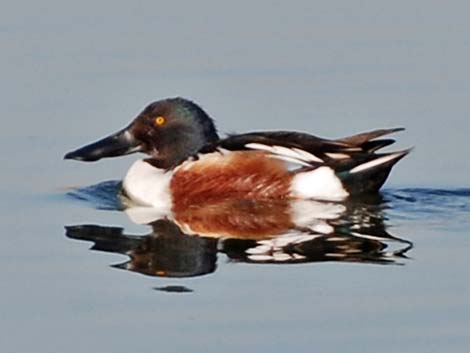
[{"x": 390, "y": 276}]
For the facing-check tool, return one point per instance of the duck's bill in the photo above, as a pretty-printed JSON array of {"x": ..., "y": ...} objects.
[{"x": 118, "y": 144}]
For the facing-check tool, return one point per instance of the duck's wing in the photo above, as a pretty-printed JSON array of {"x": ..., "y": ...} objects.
[
  {"x": 295, "y": 147},
  {"x": 309, "y": 150},
  {"x": 288, "y": 139}
]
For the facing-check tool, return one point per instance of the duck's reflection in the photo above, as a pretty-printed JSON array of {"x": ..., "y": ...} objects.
[{"x": 282, "y": 232}]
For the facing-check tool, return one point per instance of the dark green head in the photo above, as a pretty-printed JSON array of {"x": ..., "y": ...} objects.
[{"x": 169, "y": 131}]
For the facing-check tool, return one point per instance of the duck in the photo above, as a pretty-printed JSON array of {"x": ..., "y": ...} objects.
[{"x": 188, "y": 163}]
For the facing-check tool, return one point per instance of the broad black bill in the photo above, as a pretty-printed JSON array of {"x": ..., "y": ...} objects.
[{"x": 118, "y": 144}]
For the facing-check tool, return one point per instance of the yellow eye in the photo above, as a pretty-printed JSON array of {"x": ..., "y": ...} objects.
[{"x": 160, "y": 120}]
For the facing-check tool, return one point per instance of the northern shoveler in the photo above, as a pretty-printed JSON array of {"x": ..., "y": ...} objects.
[{"x": 188, "y": 163}]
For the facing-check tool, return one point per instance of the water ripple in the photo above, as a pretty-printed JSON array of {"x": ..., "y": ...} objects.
[{"x": 441, "y": 207}]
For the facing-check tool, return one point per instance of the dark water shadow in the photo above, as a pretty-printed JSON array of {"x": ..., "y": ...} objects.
[{"x": 102, "y": 196}]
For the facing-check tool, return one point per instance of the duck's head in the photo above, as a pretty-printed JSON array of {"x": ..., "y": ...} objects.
[{"x": 169, "y": 131}]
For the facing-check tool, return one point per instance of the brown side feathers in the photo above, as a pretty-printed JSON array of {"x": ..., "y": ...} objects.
[{"x": 237, "y": 175}]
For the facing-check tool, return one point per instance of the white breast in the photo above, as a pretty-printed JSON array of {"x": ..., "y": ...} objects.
[{"x": 147, "y": 185}]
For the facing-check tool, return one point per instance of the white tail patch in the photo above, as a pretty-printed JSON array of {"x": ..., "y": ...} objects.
[
  {"x": 294, "y": 153},
  {"x": 320, "y": 183},
  {"x": 375, "y": 162}
]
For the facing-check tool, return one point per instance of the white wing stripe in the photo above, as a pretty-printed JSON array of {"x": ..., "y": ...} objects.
[
  {"x": 338, "y": 155},
  {"x": 308, "y": 156},
  {"x": 289, "y": 159},
  {"x": 295, "y": 154},
  {"x": 258, "y": 146}
]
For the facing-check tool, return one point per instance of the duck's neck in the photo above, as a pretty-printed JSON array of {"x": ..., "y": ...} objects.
[{"x": 175, "y": 148}]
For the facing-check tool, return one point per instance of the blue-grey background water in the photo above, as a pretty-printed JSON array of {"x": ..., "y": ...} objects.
[{"x": 74, "y": 72}]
